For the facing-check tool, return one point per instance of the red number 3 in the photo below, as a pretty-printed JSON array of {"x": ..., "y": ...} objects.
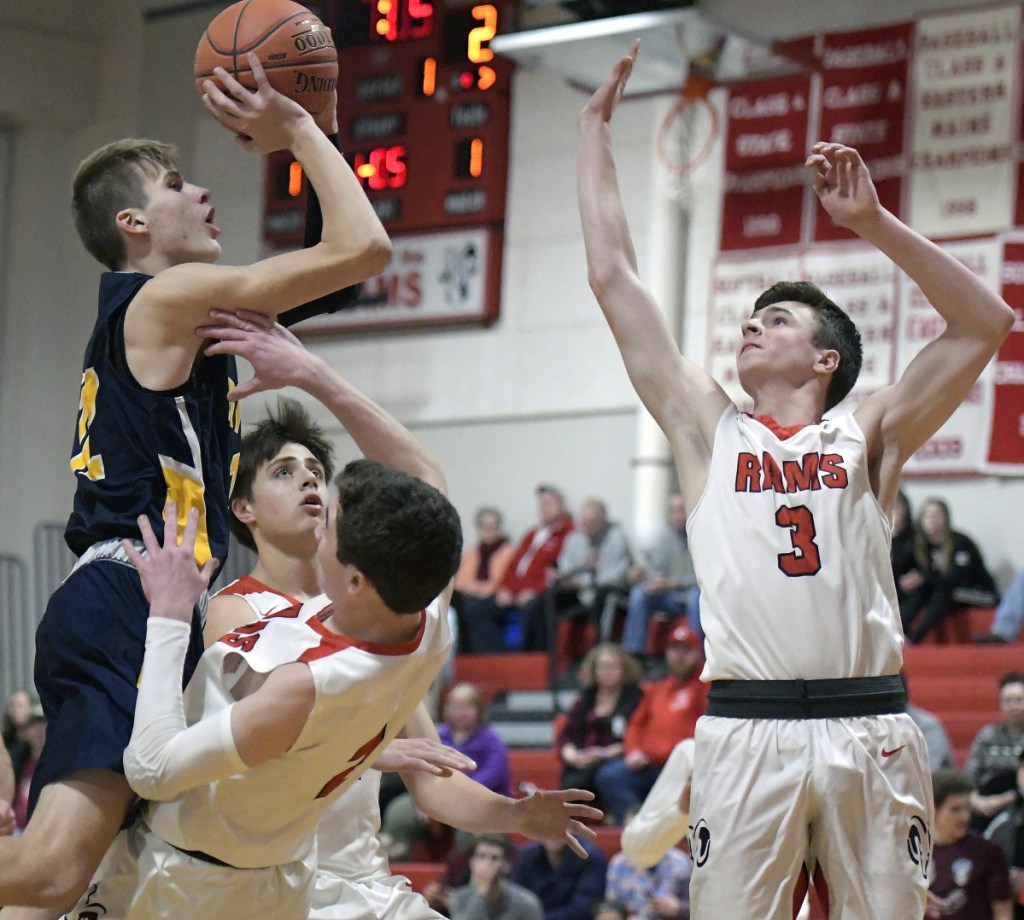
[{"x": 805, "y": 559}]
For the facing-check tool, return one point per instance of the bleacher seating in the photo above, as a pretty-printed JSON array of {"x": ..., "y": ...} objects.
[
  {"x": 961, "y": 626},
  {"x": 494, "y": 674}
]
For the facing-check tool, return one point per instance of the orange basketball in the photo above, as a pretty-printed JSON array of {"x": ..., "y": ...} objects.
[{"x": 295, "y": 48}]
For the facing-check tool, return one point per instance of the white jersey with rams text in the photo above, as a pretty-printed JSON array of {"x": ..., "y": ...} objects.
[
  {"x": 365, "y": 693},
  {"x": 791, "y": 551}
]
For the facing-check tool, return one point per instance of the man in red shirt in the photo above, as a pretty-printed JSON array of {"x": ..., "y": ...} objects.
[
  {"x": 526, "y": 576},
  {"x": 667, "y": 714}
]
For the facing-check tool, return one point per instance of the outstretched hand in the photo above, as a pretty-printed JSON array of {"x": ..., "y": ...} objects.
[
  {"x": 274, "y": 353},
  {"x": 264, "y": 120},
  {"x": 843, "y": 185},
  {"x": 424, "y": 755},
  {"x": 557, "y": 815},
  {"x": 607, "y": 97},
  {"x": 171, "y": 580}
]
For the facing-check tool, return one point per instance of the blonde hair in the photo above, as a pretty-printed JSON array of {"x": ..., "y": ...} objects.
[{"x": 473, "y": 695}]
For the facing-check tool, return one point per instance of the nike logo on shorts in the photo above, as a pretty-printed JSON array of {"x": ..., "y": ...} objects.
[{"x": 886, "y": 753}]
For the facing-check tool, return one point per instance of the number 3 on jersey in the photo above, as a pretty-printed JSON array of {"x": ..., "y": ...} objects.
[{"x": 805, "y": 559}]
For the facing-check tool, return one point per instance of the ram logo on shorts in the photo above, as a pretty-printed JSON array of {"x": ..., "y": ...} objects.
[
  {"x": 700, "y": 843},
  {"x": 93, "y": 910},
  {"x": 919, "y": 844}
]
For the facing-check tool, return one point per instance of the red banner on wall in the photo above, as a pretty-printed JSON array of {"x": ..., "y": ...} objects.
[
  {"x": 1007, "y": 443},
  {"x": 863, "y": 103},
  {"x": 766, "y": 144}
]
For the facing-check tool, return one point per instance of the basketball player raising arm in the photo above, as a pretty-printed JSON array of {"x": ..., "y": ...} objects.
[
  {"x": 154, "y": 424},
  {"x": 803, "y": 638}
]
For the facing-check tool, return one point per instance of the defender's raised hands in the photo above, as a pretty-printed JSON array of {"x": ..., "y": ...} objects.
[
  {"x": 607, "y": 97},
  {"x": 843, "y": 185}
]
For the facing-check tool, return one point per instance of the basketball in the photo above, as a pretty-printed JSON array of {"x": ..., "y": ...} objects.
[{"x": 295, "y": 48}]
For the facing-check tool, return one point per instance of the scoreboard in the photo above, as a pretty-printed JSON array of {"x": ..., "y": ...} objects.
[{"x": 423, "y": 115}]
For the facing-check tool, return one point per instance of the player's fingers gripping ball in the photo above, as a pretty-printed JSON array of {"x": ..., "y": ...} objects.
[{"x": 295, "y": 48}]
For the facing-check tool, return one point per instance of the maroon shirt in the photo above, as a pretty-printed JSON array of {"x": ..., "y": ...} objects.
[{"x": 977, "y": 868}]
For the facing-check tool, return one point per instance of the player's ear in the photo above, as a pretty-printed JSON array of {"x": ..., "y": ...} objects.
[
  {"x": 242, "y": 509},
  {"x": 131, "y": 221},
  {"x": 827, "y": 361}
]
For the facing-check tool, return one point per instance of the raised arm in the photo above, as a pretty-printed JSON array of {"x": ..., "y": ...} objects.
[
  {"x": 900, "y": 418},
  {"x": 165, "y": 755},
  {"x": 684, "y": 400},
  {"x": 353, "y": 244},
  {"x": 279, "y": 359}
]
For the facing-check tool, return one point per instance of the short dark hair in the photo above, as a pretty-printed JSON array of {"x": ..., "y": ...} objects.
[
  {"x": 500, "y": 841},
  {"x": 107, "y": 181},
  {"x": 290, "y": 423},
  {"x": 835, "y": 330},
  {"x": 400, "y": 532},
  {"x": 947, "y": 783}
]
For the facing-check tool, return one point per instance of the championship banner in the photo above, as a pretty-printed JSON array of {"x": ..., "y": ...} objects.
[
  {"x": 863, "y": 102},
  {"x": 434, "y": 279},
  {"x": 766, "y": 145},
  {"x": 1007, "y": 445},
  {"x": 985, "y": 435},
  {"x": 964, "y": 116}
]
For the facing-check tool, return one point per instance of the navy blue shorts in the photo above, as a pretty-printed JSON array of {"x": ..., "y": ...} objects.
[{"x": 89, "y": 650}]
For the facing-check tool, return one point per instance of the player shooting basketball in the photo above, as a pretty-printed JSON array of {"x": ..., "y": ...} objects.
[
  {"x": 789, "y": 528},
  {"x": 155, "y": 425}
]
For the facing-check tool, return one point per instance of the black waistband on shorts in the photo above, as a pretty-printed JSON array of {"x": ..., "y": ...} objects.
[
  {"x": 204, "y": 857},
  {"x": 837, "y": 698}
]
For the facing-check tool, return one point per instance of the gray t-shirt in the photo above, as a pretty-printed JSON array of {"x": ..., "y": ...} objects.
[{"x": 513, "y": 903}]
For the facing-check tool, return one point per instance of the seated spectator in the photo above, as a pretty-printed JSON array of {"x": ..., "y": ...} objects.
[
  {"x": 7, "y": 818},
  {"x": 666, "y": 715},
  {"x": 666, "y": 586},
  {"x": 33, "y": 733},
  {"x": 16, "y": 716},
  {"x": 658, "y": 892},
  {"x": 940, "y": 751},
  {"x": 992, "y": 762},
  {"x": 1009, "y": 614},
  {"x": 954, "y": 573},
  {"x": 465, "y": 728},
  {"x": 593, "y": 732},
  {"x": 905, "y": 568},
  {"x": 482, "y": 568},
  {"x": 568, "y": 885},
  {"x": 1007, "y": 832},
  {"x": 592, "y": 566},
  {"x": 529, "y": 570},
  {"x": 968, "y": 877},
  {"x": 489, "y": 895}
]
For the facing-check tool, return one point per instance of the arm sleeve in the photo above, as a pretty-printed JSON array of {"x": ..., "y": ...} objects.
[
  {"x": 165, "y": 756},
  {"x": 329, "y": 303},
  {"x": 660, "y": 825}
]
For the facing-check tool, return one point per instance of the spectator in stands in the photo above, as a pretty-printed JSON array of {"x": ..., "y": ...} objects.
[
  {"x": 567, "y": 885},
  {"x": 1009, "y": 614},
  {"x": 531, "y": 567},
  {"x": 940, "y": 751},
  {"x": 33, "y": 733},
  {"x": 489, "y": 894},
  {"x": 954, "y": 573},
  {"x": 665, "y": 586},
  {"x": 593, "y": 731},
  {"x": 465, "y": 728},
  {"x": 992, "y": 763},
  {"x": 591, "y": 569},
  {"x": 7, "y": 819},
  {"x": 666, "y": 715},
  {"x": 16, "y": 716},
  {"x": 905, "y": 568},
  {"x": 658, "y": 892},
  {"x": 482, "y": 568},
  {"x": 1007, "y": 832},
  {"x": 968, "y": 877}
]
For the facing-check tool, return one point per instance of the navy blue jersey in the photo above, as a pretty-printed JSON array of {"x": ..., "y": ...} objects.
[{"x": 136, "y": 448}]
